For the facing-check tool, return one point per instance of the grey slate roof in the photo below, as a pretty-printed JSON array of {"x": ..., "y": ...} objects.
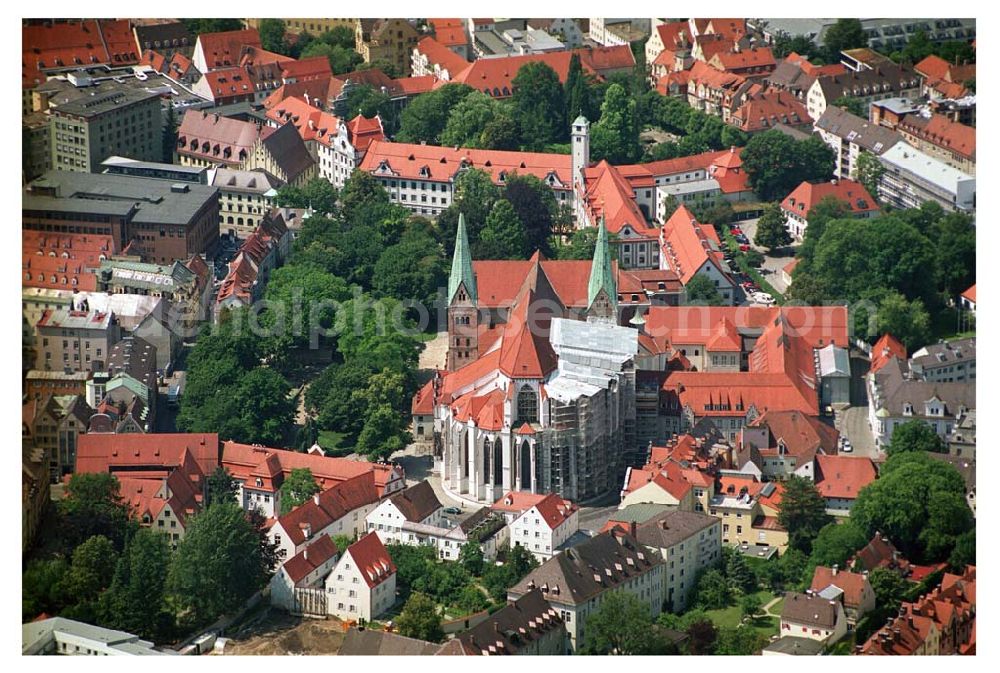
[
  {"x": 872, "y": 137},
  {"x": 869, "y": 81},
  {"x": 576, "y": 575},
  {"x": 513, "y": 626},
  {"x": 289, "y": 151},
  {"x": 417, "y": 502},
  {"x": 381, "y": 643},
  {"x": 100, "y": 102},
  {"x": 895, "y": 391},
  {"x": 945, "y": 353},
  {"x": 809, "y": 610},
  {"x": 673, "y": 528}
]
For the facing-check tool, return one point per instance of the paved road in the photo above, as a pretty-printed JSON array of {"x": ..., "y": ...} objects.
[
  {"x": 853, "y": 424},
  {"x": 773, "y": 264}
]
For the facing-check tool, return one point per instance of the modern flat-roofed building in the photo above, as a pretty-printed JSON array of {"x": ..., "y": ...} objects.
[
  {"x": 58, "y": 635},
  {"x": 165, "y": 221},
  {"x": 912, "y": 177},
  {"x": 113, "y": 120},
  {"x": 151, "y": 169}
]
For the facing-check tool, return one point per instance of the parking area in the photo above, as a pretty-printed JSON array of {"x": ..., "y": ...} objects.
[
  {"x": 852, "y": 423},
  {"x": 773, "y": 264}
]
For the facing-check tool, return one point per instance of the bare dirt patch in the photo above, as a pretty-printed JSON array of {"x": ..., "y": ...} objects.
[{"x": 279, "y": 633}]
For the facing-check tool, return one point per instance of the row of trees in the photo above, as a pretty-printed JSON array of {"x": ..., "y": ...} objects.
[{"x": 109, "y": 571}]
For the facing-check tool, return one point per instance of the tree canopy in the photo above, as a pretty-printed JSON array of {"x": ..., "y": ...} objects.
[
  {"x": 420, "y": 619},
  {"x": 776, "y": 163},
  {"x": 918, "y": 503},
  {"x": 297, "y": 488},
  {"x": 622, "y": 625},
  {"x": 772, "y": 230},
  {"x": 802, "y": 512}
]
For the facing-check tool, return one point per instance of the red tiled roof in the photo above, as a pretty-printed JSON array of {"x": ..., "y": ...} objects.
[
  {"x": 314, "y": 68},
  {"x": 801, "y": 434},
  {"x": 970, "y": 294},
  {"x": 852, "y": 584},
  {"x": 788, "y": 268},
  {"x": 523, "y": 352},
  {"x": 494, "y": 76},
  {"x": 763, "y": 111},
  {"x": 610, "y": 195},
  {"x": 406, "y": 160},
  {"x": 329, "y": 506},
  {"x": 670, "y": 33},
  {"x": 606, "y": 60},
  {"x": 54, "y": 45},
  {"x": 853, "y": 194},
  {"x": 414, "y": 86},
  {"x": 732, "y": 29},
  {"x": 759, "y": 58},
  {"x": 687, "y": 245},
  {"x": 518, "y": 501},
  {"x": 372, "y": 558},
  {"x": 702, "y": 74},
  {"x": 554, "y": 510},
  {"x": 245, "y": 460},
  {"x": 58, "y": 273},
  {"x": 126, "y": 453},
  {"x": 312, "y": 91},
  {"x": 843, "y": 476},
  {"x": 440, "y": 55},
  {"x": 884, "y": 350},
  {"x": 316, "y": 554},
  {"x": 486, "y": 410},
  {"x": 224, "y": 49},
  {"x": 312, "y": 123},
  {"x": 450, "y": 32},
  {"x": 941, "y": 131}
]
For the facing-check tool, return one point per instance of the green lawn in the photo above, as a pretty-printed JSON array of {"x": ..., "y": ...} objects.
[
  {"x": 732, "y": 617},
  {"x": 336, "y": 443}
]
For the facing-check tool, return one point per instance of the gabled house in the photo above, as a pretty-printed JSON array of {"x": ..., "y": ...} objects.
[
  {"x": 417, "y": 505},
  {"x": 813, "y": 616},
  {"x": 307, "y": 569},
  {"x": 852, "y": 195},
  {"x": 544, "y": 526},
  {"x": 282, "y": 153},
  {"x": 852, "y": 589},
  {"x": 362, "y": 585}
]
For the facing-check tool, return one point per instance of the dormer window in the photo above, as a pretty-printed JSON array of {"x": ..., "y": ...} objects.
[
  {"x": 259, "y": 483},
  {"x": 907, "y": 409}
]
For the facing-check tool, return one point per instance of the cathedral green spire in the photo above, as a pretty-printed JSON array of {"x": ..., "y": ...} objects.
[
  {"x": 461, "y": 264},
  {"x": 601, "y": 277}
]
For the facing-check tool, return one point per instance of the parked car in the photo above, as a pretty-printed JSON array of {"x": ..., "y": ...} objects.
[
  {"x": 452, "y": 510},
  {"x": 847, "y": 448},
  {"x": 744, "y": 247},
  {"x": 762, "y": 298}
]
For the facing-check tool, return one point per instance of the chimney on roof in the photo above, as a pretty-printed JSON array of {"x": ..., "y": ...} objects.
[
  {"x": 631, "y": 528},
  {"x": 834, "y": 569}
]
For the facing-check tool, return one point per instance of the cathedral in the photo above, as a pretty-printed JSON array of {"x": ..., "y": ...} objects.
[{"x": 539, "y": 391}]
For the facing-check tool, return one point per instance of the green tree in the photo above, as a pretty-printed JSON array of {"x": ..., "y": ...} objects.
[
  {"x": 702, "y": 635},
  {"x": 501, "y": 132},
  {"x": 471, "y": 599},
  {"x": 411, "y": 563},
  {"x": 906, "y": 320},
  {"x": 539, "y": 106},
  {"x": 750, "y": 606},
  {"x": 503, "y": 237},
  {"x": 536, "y": 208},
  {"x": 964, "y": 552},
  {"x": 468, "y": 120},
  {"x": 42, "y": 585},
  {"x": 198, "y": 26},
  {"x": 580, "y": 246},
  {"x": 93, "y": 506},
  {"x": 784, "y": 44},
  {"x": 221, "y": 486},
  {"x": 787, "y": 572},
  {"x": 218, "y": 564},
  {"x": 301, "y": 303},
  {"x": 169, "y": 137},
  {"x": 845, "y": 34},
  {"x": 772, "y": 231},
  {"x": 297, "y": 488},
  {"x": 426, "y": 117},
  {"x": 383, "y": 434},
  {"x": 342, "y": 59},
  {"x": 471, "y": 558},
  {"x": 955, "y": 245},
  {"x": 915, "y": 436},
  {"x": 776, "y": 163},
  {"x": 91, "y": 570},
  {"x": 738, "y": 573},
  {"x": 802, "y": 512},
  {"x": 712, "y": 591},
  {"x": 577, "y": 92},
  {"x": 836, "y": 543},
  {"x": 828, "y": 209},
  {"x": 855, "y": 106},
  {"x": 621, "y": 625},
  {"x": 868, "y": 171},
  {"x": 615, "y": 137},
  {"x": 918, "y": 503},
  {"x": 415, "y": 268},
  {"x": 890, "y": 588},
  {"x": 744, "y": 640},
  {"x": 136, "y": 600},
  {"x": 701, "y": 291},
  {"x": 272, "y": 35},
  {"x": 420, "y": 619},
  {"x": 331, "y": 396}
]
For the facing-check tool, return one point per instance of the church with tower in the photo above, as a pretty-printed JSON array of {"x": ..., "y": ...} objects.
[{"x": 539, "y": 389}]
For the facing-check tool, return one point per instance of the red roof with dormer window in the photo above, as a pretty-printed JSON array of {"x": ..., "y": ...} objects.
[{"x": 372, "y": 559}]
